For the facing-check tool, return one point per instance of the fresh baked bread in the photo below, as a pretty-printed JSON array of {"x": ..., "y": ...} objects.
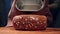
[{"x": 30, "y": 22}]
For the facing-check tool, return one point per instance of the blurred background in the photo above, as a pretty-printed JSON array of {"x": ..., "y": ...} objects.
[{"x": 53, "y": 5}]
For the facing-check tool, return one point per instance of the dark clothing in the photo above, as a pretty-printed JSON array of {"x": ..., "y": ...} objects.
[
  {"x": 3, "y": 20},
  {"x": 4, "y": 9},
  {"x": 55, "y": 10}
]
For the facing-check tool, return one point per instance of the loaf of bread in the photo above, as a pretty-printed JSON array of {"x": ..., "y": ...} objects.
[{"x": 30, "y": 22}]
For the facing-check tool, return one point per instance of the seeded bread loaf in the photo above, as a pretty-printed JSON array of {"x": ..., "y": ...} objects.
[{"x": 30, "y": 22}]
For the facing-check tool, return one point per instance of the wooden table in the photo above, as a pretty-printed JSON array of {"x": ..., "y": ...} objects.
[{"x": 11, "y": 30}]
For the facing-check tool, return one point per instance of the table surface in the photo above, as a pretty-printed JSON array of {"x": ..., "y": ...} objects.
[{"x": 11, "y": 30}]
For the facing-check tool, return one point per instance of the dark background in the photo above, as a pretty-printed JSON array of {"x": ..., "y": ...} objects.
[{"x": 5, "y": 6}]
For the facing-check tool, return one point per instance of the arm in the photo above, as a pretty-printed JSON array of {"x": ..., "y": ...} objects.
[
  {"x": 54, "y": 5},
  {"x": 11, "y": 13}
]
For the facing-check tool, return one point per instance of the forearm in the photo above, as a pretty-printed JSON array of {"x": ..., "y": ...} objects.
[{"x": 54, "y": 4}]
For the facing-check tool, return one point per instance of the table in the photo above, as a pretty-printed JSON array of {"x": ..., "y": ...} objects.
[{"x": 11, "y": 30}]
